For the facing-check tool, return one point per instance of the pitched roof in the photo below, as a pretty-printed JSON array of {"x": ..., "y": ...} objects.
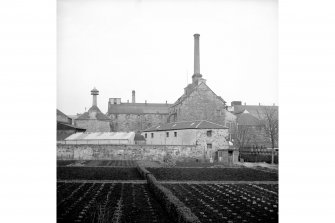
[
  {"x": 93, "y": 113},
  {"x": 255, "y": 110},
  {"x": 61, "y": 117},
  {"x": 61, "y": 113},
  {"x": 245, "y": 118},
  {"x": 139, "y": 108},
  {"x": 199, "y": 124},
  {"x": 65, "y": 126},
  {"x": 190, "y": 89}
]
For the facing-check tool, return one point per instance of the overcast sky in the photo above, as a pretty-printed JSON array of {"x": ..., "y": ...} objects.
[{"x": 147, "y": 46}]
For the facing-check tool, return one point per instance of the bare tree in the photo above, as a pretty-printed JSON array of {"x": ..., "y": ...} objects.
[
  {"x": 269, "y": 116},
  {"x": 242, "y": 135}
]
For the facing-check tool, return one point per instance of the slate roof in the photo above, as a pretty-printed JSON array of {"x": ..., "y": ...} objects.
[
  {"x": 65, "y": 126},
  {"x": 139, "y": 108},
  {"x": 255, "y": 110},
  {"x": 247, "y": 119},
  {"x": 199, "y": 124},
  {"x": 93, "y": 113},
  {"x": 61, "y": 115}
]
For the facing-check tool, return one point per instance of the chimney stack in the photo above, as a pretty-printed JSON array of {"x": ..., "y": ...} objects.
[
  {"x": 94, "y": 92},
  {"x": 133, "y": 97},
  {"x": 196, "y": 54},
  {"x": 196, "y": 74}
]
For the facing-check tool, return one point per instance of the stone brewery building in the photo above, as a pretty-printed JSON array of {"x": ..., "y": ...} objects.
[
  {"x": 198, "y": 102},
  {"x": 136, "y": 116}
]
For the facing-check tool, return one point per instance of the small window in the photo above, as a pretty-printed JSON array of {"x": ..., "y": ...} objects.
[
  {"x": 152, "y": 135},
  {"x": 209, "y": 145},
  {"x": 209, "y": 133},
  {"x": 167, "y": 134},
  {"x": 146, "y": 135},
  {"x": 175, "y": 134}
]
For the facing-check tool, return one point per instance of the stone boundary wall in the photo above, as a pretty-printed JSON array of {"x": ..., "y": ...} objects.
[
  {"x": 158, "y": 153},
  {"x": 173, "y": 206}
]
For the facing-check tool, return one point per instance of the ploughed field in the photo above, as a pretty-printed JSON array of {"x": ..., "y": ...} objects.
[
  {"x": 115, "y": 163},
  {"x": 212, "y": 174},
  {"x": 107, "y": 202},
  {"x": 229, "y": 202},
  {"x": 97, "y": 173}
]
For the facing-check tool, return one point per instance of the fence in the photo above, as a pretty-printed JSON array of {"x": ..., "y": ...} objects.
[{"x": 258, "y": 155}]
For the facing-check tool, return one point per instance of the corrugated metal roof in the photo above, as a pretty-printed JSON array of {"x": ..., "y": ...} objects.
[
  {"x": 139, "y": 108},
  {"x": 199, "y": 124},
  {"x": 102, "y": 136}
]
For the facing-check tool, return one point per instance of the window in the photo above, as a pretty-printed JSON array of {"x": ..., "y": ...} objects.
[
  {"x": 152, "y": 135},
  {"x": 209, "y": 145},
  {"x": 175, "y": 134},
  {"x": 167, "y": 134},
  {"x": 146, "y": 135},
  {"x": 209, "y": 133}
]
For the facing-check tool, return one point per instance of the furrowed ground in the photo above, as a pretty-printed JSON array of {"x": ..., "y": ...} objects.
[
  {"x": 107, "y": 202},
  {"x": 114, "y": 191}
]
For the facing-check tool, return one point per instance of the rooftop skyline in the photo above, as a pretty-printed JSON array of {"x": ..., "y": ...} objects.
[{"x": 118, "y": 47}]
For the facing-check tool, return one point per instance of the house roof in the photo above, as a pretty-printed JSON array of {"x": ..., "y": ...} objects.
[
  {"x": 61, "y": 113},
  {"x": 93, "y": 113},
  {"x": 199, "y": 124},
  {"x": 61, "y": 117},
  {"x": 255, "y": 110},
  {"x": 101, "y": 136},
  {"x": 65, "y": 126},
  {"x": 245, "y": 118},
  {"x": 139, "y": 108}
]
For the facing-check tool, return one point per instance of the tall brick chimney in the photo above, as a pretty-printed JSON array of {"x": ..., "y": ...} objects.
[
  {"x": 133, "y": 97},
  {"x": 94, "y": 92},
  {"x": 196, "y": 76}
]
